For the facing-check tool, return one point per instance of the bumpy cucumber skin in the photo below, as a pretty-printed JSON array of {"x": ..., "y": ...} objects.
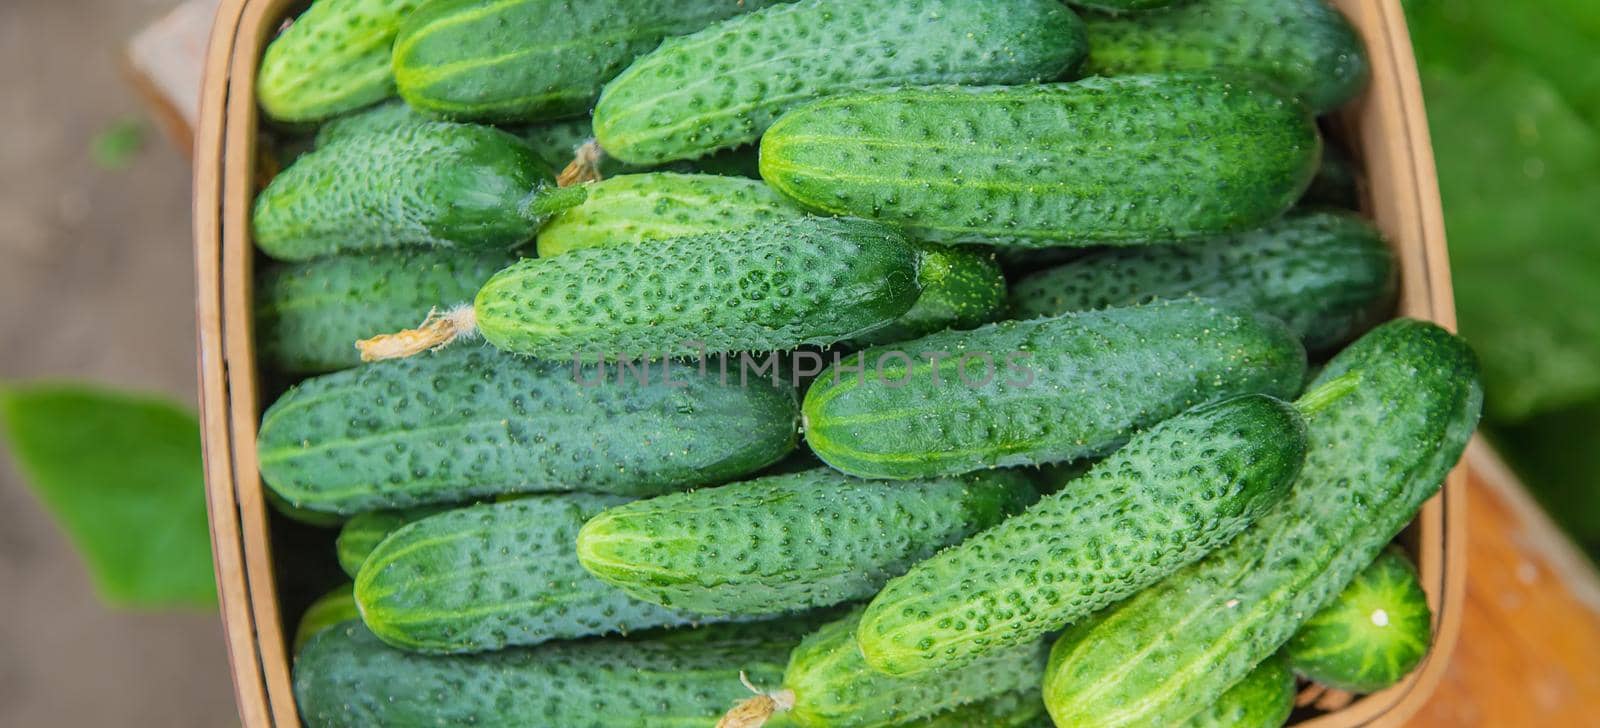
[
  {"x": 1091, "y": 379},
  {"x": 388, "y": 116},
  {"x": 788, "y": 542},
  {"x": 1174, "y": 493},
  {"x": 449, "y": 185},
  {"x": 1328, "y": 275},
  {"x": 494, "y": 575},
  {"x": 1121, "y": 6},
  {"x": 640, "y": 207},
  {"x": 723, "y": 86},
  {"x": 1376, "y": 454},
  {"x": 834, "y": 688},
  {"x": 332, "y": 59},
  {"x": 1120, "y": 161},
  {"x": 962, "y": 288},
  {"x": 470, "y": 421},
  {"x": 1305, "y": 46},
  {"x": 364, "y": 531},
  {"x": 309, "y": 315},
  {"x": 526, "y": 60},
  {"x": 347, "y": 678},
  {"x": 1020, "y": 709},
  {"x": 1375, "y": 633},
  {"x": 335, "y": 607},
  {"x": 1263, "y": 699},
  {"x": 777, "y": 286}
]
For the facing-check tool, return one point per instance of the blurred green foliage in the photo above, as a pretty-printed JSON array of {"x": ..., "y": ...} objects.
[
  {"x": 1513, "y": 93},
  {"x": 122, "y": 475}
]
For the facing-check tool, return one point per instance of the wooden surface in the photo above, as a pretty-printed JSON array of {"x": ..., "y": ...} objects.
[{"x": 1530, "y": 635}]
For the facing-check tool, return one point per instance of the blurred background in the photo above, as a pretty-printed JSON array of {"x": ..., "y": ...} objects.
[{"x": 96, "y": 291}]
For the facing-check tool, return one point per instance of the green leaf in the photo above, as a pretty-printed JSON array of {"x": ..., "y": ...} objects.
[
  {"x": 122, "y": 474},
  {"x": 1513, "y": 99}
]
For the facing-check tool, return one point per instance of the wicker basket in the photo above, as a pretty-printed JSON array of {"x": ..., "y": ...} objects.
[{"x": 1387, "y": 129}]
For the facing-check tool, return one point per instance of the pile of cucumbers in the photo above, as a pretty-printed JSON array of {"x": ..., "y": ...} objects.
[{"x": 839, "y": 363}]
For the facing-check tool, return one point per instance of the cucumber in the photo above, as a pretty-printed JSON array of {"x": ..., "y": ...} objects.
[
  {"x": 639, "y": 207},
  {"x": 1263, "y": 699},
  {"x": 335, "y": 607},
  {"x": 315, "y": 519},
  {"x": 1122, "y": 6},
  {"x": 1174, "y": 493},
  {"x": 333, "y": 58},
  {"x": 347, "y": 678},
  {"x": 494, "y": 575},
  {"x": 526, "y": 60},
  {"x": 1305, "y": 46},
  {"x": 1373, "y": 634},
  {"x": 827, "y": 685},
  {"x": 723, "y": 86},
  {"x": 777, "y": 286},
  {"x": 1328, "y": 275},
  {"x": 450, "y": 185},
  {"x": 1099, "y": 161},
  {"x": 388, "y": 116},
  {"x": 309, "y": 315},
  {"x": 1375, "y": 455},
  {"x": 364, "y": 531},
  {"x": 1041, "y": 391},
  {"x": 1019, "y": 709},
  {"x": 456, "y": 424},
  {"x": 558, "y": 142},
  {"x": 962, "y": 288},
  {"x": 788, "y": 542}
]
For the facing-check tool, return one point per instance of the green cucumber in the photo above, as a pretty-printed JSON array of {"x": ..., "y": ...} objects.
[
  {"x": 335, "y": 607},
  {"x": 315, "y": 519},
  {"x": 449, "y": 426},
  {"x": 1375, "y": 633},
  {"x": 1041, "y": 391},
  {"x": 1121, "y": 6},
  {"x": 1375, "y": 455},
  {"x": 1127, "y": 160},
  {"x": 526, "y": 60},
  {"x": 777, "y": 286},
  {"x": 494, "y": 575},
  {"x": 557, "y": 142},
  {"x": 309, "y": 315},
  {"x": 364, "y": 531},
  {"x": 962, "y": 288},
  {"x": 1305, "y": 46},
  {"x": 450, "y": 185},
  {"x": 1018, "y": 709},
  {"x": 639, "y": 207},
  {"x": 333, "y": 58},
  {"x": 1174, "y": 493},
  {"x": 347, "y": 678},
  {"x": 1328, "y": 275},
  {"x": 385, "y": 117},
  {"x": 1263, "y": 699},
  {"x": 828, "y": 685},
  {"x": 723, "y": 86},
  {"x": 787, "y": 542}
]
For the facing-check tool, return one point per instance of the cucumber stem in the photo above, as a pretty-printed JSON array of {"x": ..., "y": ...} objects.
[
  {"x": 756, "y": 711},
  {"x": 585, "y": 165},
  {"x": 434, "y": 333},
  {"x": 1328, "y": 392}
]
